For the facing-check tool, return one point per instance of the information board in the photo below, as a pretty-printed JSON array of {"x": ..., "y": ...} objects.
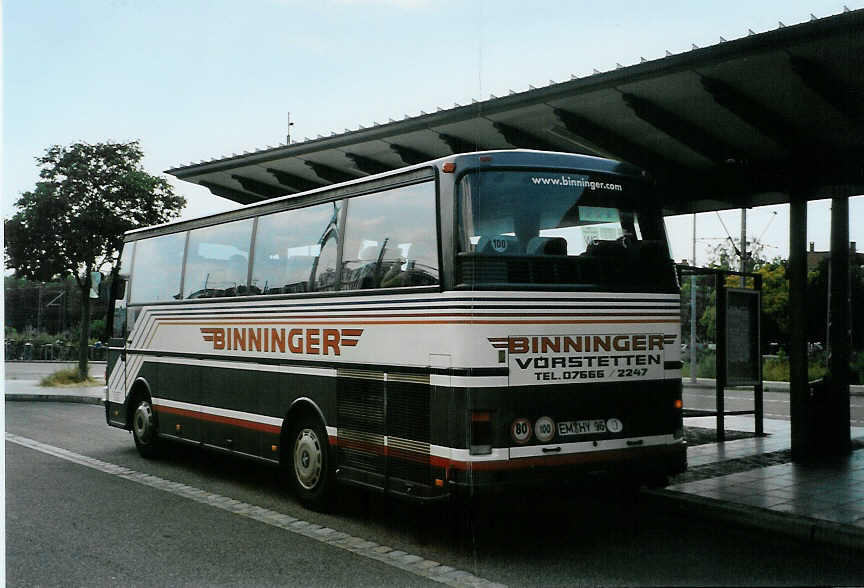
[{"x": 742, "y": 337}]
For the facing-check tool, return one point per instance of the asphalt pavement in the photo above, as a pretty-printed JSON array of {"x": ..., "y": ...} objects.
[
  {"x": 116, "y": 531},
  {"x": 751, "y": 482},
  {"x": 60, "y": 535}
]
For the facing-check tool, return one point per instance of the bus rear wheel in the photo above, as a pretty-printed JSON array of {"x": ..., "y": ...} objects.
[
  {"x": 309, "y": 466},
  {"x": 144, "y": 429}
]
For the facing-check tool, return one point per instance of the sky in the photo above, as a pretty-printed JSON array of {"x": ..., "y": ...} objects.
[{"x": 195, "y": 79}]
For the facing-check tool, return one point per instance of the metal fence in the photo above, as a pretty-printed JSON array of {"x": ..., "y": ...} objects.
[{"x": 23, "y": 350}]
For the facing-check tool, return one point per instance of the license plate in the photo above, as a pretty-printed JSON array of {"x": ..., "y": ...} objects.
[{"x": 589, "y": 427}]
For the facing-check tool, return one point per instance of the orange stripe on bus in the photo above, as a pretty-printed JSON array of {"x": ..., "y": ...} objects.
[
  {"x": 203, "y": 416},
  {"x": 334, "y": 321}
]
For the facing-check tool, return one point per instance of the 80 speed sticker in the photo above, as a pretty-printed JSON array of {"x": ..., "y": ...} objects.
[{"x": 520, "y": 430}]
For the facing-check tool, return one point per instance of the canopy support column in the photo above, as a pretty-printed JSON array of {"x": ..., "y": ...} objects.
[
  {"x": 836, "y": 433},
  {"x": 802, "y": 434}
]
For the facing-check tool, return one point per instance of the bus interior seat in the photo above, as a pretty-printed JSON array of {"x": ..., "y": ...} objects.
[
  {"x": 605, "y": 248},
  {"x": 499, "y": 245},
  {"x": 547, "y": 246}
]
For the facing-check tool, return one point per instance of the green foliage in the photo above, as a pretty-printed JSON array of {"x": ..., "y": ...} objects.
[
  {"x": 776, "y": 324},
  {"x": 97, "y": 328},
  {"x": 706, "y": 365},
  {"x": 708, "y": 321},
  {"x": 73, "y": 333},
  {"x": 856, "y": 365},
  {"x": 777, "y": 369},
  {"x": 30, "y": 335},
  {"x": 73, "y": 222}
]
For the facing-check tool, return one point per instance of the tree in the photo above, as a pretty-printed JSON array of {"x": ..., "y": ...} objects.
[
  {"x": 776, "y": 316},
  {"x": 775, "y": 320},
  {"x": 72, "y": 223}
]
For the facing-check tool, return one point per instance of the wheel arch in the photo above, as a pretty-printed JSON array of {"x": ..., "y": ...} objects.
[
  {"x": 303, "y": 406},
  {"x": 140, "y": 389}
]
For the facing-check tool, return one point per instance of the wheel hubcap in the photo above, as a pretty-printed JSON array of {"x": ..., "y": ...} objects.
[
  {"x": 142, "y": 423},
  {"x": 307, "y": 458}
]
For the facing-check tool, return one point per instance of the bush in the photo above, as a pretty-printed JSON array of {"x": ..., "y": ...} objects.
[
  {"x": 706, "y": 365},
  {"x": 776, "y": 369},
  {"x": 856, "y": 365},
  {"x": 66, "y": 377}
]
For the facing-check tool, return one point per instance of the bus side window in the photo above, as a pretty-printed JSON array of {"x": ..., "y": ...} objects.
[
  {"x": 288, "y": 248},
  {"x": 158, "y": 265},
  {"x": 131, "y": 315},
  {"x": 119, "y": 325},
  {"x": 218, "y": 260},
  {"x": 390, "y": 239}
]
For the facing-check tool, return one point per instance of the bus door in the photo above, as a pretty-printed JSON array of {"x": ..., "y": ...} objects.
[{"x": 115, "y": 369}]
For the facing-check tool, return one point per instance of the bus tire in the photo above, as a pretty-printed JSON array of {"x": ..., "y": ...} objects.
[
  {"x": 309, "y": 462},
  {"x": 144, "y": 429}
]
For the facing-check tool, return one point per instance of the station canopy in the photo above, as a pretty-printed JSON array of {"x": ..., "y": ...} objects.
[{"x": 741, "y": 123}]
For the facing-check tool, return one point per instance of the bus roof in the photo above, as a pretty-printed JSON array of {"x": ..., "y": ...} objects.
[{"x": 509, "y": 158}]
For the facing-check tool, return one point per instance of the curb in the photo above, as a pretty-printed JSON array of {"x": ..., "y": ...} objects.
[
  {"x": 55, "y": 398},
  {"x": 803, "y": 528},
  {"x": 767, "y": 386},
  {"x": 69, "y": 361}
]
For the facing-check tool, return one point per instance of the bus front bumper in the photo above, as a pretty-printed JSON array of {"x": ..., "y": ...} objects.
[{"x": 649, "y": 465}]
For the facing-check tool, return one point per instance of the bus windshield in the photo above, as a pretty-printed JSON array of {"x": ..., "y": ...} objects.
[{"x": 587, "y": 231}]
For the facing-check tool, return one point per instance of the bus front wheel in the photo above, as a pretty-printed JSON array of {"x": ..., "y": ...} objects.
[
  {"x": 144, "y": 429},
  {"x": 309, "y": 465}
]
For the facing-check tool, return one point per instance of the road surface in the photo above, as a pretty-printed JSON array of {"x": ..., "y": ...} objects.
[{"x": 83, "y": 508}]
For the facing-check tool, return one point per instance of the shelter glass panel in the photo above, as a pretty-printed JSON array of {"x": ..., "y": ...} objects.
[
  {"x": 391, "y": 239},
  {"x": 218, "y": 260},
  {"x": 157, "y": 268}
]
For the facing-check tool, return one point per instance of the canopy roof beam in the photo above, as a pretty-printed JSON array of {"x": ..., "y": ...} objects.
[
  {"x": 328, "y": 173},
  {"x": 459, "y": 145},
  {"x": 230, "y": 193},
  {"x": 409, "y": 155},
  {"x": 827, "y": 86},
  {"x": 522, "y": 139},
  {"x": 262, "y": 189},
  {"x": 368, "y": 165},
  {"x": 611, "y": 142},
  {"x": 765, "y": 120},
  {"x": 292, "y": 181},
  {"x": 683, "y": 131}
]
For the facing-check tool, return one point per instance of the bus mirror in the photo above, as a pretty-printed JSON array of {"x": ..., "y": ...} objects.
[{"x": 120, "y": 288}]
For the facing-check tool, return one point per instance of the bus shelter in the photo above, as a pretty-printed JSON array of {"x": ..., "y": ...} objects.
[
  {"x": 738, "y": 341},
  {"x": 770, "y": 118}
]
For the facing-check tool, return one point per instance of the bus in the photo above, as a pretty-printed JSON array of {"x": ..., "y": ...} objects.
[{"x": 480, "y": 322}]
